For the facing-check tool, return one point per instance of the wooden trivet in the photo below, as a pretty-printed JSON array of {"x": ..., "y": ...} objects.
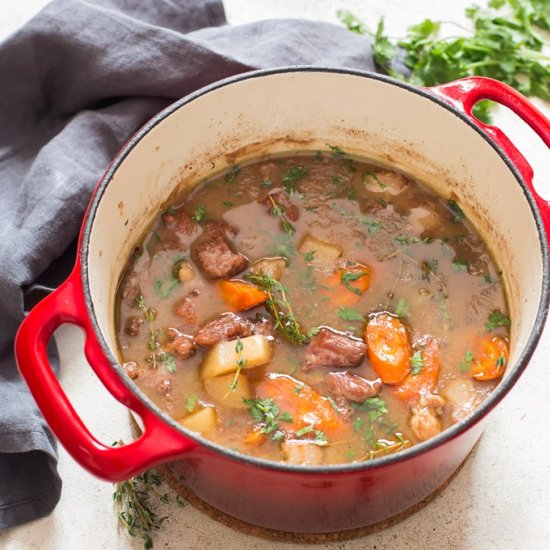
[{"x": 285, "y": 536}]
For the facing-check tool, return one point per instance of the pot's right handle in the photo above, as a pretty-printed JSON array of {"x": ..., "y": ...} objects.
[
  {"x": 159, "y": 441},
  {"x": 465, "y": 93}
]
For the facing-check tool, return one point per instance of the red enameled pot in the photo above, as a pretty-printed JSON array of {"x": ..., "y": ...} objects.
[{"x": 428, "y": 133}]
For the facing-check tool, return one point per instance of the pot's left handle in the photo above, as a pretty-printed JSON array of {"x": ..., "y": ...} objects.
[{"x": 159, "y": 441}]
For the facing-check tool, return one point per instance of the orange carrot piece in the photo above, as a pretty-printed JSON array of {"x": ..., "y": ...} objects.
[
  {"x": 240, "y": 295},
  {"x": 346, "y": 285},
  {"x": 303, "y": 405},
  {"x": 416, "y": 385},
  {"x": 254, "y": 437},
  {"x": 490, "y": 363},
  {"x": 388, "y": 347}
]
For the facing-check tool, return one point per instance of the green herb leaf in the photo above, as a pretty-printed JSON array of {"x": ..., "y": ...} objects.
[
  {"x": 191, "y": 403},
  {"x": 457, "y": 211},
  {"x": 164, "y": 287},
  {"x": 232, "y": 174},
  {"x": 303, "y": 431},
  {"x": 170, "y": 363},
  {"x": 349, "y": 314},
  {"x": 402, "y": 308},
  {"x": 496, "y": 319},
  {"x": 460, "y": 264},
  {"x": 416, "y": 362},
  {"x": 200, "y": 214},
  {"x": 466, "y": 363},
  {"x": 229, "y": 204},
  {"x": 292, "y": 176}
]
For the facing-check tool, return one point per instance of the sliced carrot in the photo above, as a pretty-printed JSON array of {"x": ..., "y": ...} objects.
[
  {"x": 346, "y": 285},
  {"x": 388, "y": 347},
  {"x": 416, "y": 385},
  {"x": 490, "y": 363},
  {"x": 254, "y": 437},
  {"x": 302, "y": 406},
  {"x": 240, "y": 295}
]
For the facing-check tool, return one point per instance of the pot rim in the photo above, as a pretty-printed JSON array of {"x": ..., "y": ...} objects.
[{"x": 424, "y": 447}]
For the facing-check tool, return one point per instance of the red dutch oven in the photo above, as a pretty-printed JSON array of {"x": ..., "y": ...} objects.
[{"x": 428, "y": 133}]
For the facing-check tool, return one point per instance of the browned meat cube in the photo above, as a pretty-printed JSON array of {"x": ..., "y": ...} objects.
[
  {"x": 264, "y": 326},
  {"x": 181, "y": 222},
  {"x": 186, "y": 310},
  {"x": 352, "y": 386},
  {"x": 214, "y": 256},
  {"x": 133, "y": 324},
  {"x": 180, "y": 344},
  {"x": 226, "y": 327},
  {"x": 230, "y": 231},
  {"x": 334, "y": 349},
  {"x": 281, "y": 199}
]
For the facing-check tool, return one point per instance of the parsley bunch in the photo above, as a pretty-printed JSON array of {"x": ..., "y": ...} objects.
[{"x": 506, "y": 44}]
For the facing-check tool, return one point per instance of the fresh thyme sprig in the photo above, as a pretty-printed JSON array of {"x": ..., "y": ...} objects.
[
  {"x": 133, "y": 505},
  {"x": 279, "y": 307}
]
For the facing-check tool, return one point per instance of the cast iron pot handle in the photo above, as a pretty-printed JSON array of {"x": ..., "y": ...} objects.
[
  {"x": 465, "y": 93},
  {"x": 159, "y": 441}
]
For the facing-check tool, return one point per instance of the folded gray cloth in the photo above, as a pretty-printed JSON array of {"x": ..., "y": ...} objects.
[{"x": 75, "y": 83}]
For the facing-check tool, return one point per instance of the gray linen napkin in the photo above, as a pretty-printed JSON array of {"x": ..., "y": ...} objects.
[{"x": 75, "y": 83}]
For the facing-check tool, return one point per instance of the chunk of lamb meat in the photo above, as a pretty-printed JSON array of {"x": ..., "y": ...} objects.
[
  {"x": 425, "y": 419},
  {"x": 215, "y": 257},
  {"x": 280, "y": 199},
  {"x": 334, "y": 349},
  {"x": 301, "y": 452},
  {"x": 226, "y": 327},
  {"x": 230, "y": 231},
  {"x": 180, "y": 344},
  {"x": 352, "y": 386},
  {"x": 181, "y": 222},
  {"x": 186, "y": 310},
  {"x": 264, "y": 326},
  {"x": 133, "y": 325}
]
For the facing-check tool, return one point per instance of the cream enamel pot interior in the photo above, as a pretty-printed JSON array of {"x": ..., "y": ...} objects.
[{"x": 429, "y": 134}]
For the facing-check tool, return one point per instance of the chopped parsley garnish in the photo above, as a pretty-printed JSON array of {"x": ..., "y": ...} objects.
[
  {"x": 200, "y": 214},
  {"x": 349, "y": 276},
  {"x": 501, "y": 362},
  {"x": 164, "y": 287},
  {"x": 416, "y": 362},
  {"x": 232, "y": 174},
  {"x": 460, "y": 264},
  {"x": 349, "y": 314},
  {"x": 496, "y": 319},
  {"x": 372, "y": 226},
  {"x": 457, "y": 211},
  {"x": 292, "y": 176},
  {"x": 309, "y": 256},
  {"x": 267, "y": 413},
  {"x": 336, "y": 151},
  {"x": 229, "y": 204},
  {"x": 375, "y": 177},
  {"x": 191, "y": 403},
  {"x": 169, "y": 363},
  {"x": 466, "y": 363},
  {"x": 402, "y": 308}
]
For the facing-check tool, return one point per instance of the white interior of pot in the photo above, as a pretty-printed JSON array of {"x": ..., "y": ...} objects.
[{"x": 302, "y": 111}]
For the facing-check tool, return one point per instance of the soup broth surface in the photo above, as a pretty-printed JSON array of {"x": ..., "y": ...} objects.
[{"x": 313, "y": 308}]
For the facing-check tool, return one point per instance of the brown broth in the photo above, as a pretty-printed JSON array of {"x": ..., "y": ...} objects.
[{"x": 428, "y": 266}]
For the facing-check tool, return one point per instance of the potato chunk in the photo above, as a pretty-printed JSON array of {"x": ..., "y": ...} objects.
[
  {"x": 223, "y": 358},
  {"x": 219, "y": 389},
  {"x": 201, "y": 421},
  {"x": 272, "y": 267},
  {"x": 302, "y": 452},
  {"x": 325, "y": 255}
]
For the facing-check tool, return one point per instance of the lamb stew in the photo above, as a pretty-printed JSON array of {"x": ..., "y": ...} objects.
[{"x": 313, "y": 308}]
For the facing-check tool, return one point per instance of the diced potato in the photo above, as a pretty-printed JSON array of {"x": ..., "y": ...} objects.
[
  {"x": 273, "y": 267},
  {"x": 223, "y": 358},
  {"x": 384, "y": 181},
  {"x": 325, "y": 255},
  {"x": 219, "y": 389},
  {"x": 201, "y": 421},
  {"x": 302, "y": 452}
]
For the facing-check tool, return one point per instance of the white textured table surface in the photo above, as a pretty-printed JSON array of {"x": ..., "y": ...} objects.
[{"x": 500, "y": 499}]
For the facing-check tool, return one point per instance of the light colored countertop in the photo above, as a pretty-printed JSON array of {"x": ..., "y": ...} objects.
[{"x": 500, "y": 498}]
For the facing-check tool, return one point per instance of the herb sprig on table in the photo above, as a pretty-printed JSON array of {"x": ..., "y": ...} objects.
[{"x": 506, "y": 43}]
